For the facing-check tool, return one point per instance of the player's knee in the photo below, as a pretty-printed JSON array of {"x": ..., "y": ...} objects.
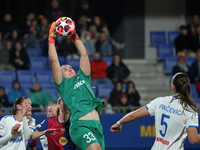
[{"x": 94, "y": 146}]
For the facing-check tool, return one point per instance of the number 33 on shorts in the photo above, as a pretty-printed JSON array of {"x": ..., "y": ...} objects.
[{"x": 89, "y": 137}]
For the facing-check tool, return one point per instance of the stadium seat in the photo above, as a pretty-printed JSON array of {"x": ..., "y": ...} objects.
[
  {"x": 190, "y": 60},
  {"x": 164, "y": 51},
  {"x": 38, "y": 63},
  {"x": 157, "y": 38},
  {"x": 44, "y": 77},
  {"x": 196, "y": 100},
  {"x": 104, "y": 90},
  {"x": 36, "y": 51},
  {"x": 50, "y": 89},
  {"x": 169, "y": 63},
  {"x": 74, "y": 63},
  {"x": 171, "y": 36},
  {"x": 7, "y": 77},
  {"x": 94, "y": 88},
  {"x": 108, "y": 60},
  {"x": 25, "y": 77},
  {"x": 27, "y": 88},
  {"x": 193, "y": 92},
  {"x": 62, "y": 60}
]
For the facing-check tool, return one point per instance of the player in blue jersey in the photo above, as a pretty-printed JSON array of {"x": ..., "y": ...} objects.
[
  {"x": 176, "y": 116},
  {"x": 60, "y": 139}
]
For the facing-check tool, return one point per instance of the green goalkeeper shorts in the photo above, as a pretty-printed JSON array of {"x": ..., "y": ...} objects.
[{"x": 86, "y": 132}]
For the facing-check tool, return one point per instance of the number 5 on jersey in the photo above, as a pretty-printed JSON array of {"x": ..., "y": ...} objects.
[
  {"x": 164, "y": 124},
  {"x": 89, "y": 137}
]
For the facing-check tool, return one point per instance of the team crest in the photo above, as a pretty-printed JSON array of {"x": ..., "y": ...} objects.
[{"x": 63, "y": 140}]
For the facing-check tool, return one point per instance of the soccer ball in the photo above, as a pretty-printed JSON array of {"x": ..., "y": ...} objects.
[{"x": 65, "y": 26}]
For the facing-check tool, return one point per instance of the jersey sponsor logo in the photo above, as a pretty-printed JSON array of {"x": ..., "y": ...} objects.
[
  {"x": 45, "y": 145},
  {"x": 63, "y": 140},
  {"x": 77, "y": 85},
  {"x": 170, "y": 109},
  {"x": 16, "y": 140},
  {"x": 162, "y": 141},
  {"x": 89, "y": 137}
]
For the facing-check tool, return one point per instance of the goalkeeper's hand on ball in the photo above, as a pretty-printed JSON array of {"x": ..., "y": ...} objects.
[
  {"x": 52, "y": 34},
  {"x": 74, "y": 36}
]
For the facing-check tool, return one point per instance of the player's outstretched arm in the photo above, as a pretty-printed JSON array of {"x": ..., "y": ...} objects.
[
  {"x": 84, "y": 60},
  {"x": 53, "y": 56},
  {"x": 193, "y": 135},
  {"x": 36, "y": 134},
  {"x": 142, "y": 112}
]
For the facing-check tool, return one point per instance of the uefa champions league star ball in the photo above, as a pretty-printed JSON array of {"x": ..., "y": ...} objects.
[{"x": 65, "y": 26}]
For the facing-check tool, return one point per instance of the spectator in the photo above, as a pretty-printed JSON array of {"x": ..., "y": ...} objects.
[
  {"x": 55, "y": 11},
  {"x": 103, "y": 46},
  {"x": 118, "y": 71},
  {"x": 181, "y": 66},
  {"x": 115, "y": 95},
  {"x": 82, "y": 25},
  {"x": 31, "y": 38},
  {"x": 5, "y": 57},
  {"x": 88, "y": 42},
  {"x": 195, "y": 69},
  {"x": 39, "y": 96},
  {"x": 197, "y": 38},
  {"x": 67, "y": 48},
  {"x": 132, "y": 94},
  {"x": 100, "y": 26},
  {"x": 26, "y": 25},
  {"x": 86, "y": 11},
  {"x": 123, "y": 104},
  {"x": 7, "y": 26},
  {"x": 184, "y": 43},
  {"x": 15, "y": 92},
  {"x": 99, "y": 70},
  {"x": 107, "y": 109},
  {"x": 15, "y": 37},
  {"x": 193, "y": 24},
  {"x": 44, "y": 29},
  {"x": 19, "y": 57},
  {"x": 1, "y": 41},
  {"x": 3, "y": 100}
]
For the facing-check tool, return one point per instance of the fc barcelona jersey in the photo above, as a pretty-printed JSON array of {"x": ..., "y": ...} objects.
[{"x": 60, "y": 139}]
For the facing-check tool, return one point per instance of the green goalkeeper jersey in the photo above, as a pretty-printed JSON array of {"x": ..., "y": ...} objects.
[{"x": 78, "y": 96}]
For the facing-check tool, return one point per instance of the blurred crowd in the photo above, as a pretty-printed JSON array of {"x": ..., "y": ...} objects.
[
  {"x": 187, "y": 44},
  {"x": 17, "y": 39}
]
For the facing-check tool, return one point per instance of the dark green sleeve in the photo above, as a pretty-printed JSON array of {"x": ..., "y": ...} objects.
[{"x": 58, "y": 86}]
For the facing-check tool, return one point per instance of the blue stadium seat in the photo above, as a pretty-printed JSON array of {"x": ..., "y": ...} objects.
[
  {"x": 25, "y": 77},
  {"x": 36, "y": 51},
  {"x": 193, "y": 91},
  {"x": 74, "y": 63},
  {"x": 38, "y": 63},
  {"x": 169, "y": 63},
  {"x": 108, "y": 60},
  {"x": 157, "y": 38},
  {"x": 27, "y": 87},
  {"x": 94, "y": 88},
  {"x": 190, "y": 60},
  {"x": 44, "y": 77},
  {"x": 62, "y": 60},
  {"x": 196, "y": 100},
  {"x": 164, "y": 51},
  {"x": 51, "y": 89},
  {"x": 171, "y": 36},
  {"x": 7, "y": 77},
  {"x": 104, "y": 90}
]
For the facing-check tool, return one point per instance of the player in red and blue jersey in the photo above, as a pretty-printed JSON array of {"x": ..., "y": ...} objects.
[{"x": 60, "y": 138}]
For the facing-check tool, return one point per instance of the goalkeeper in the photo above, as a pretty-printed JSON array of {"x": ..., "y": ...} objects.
[{"x": 75, "y": 90}]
